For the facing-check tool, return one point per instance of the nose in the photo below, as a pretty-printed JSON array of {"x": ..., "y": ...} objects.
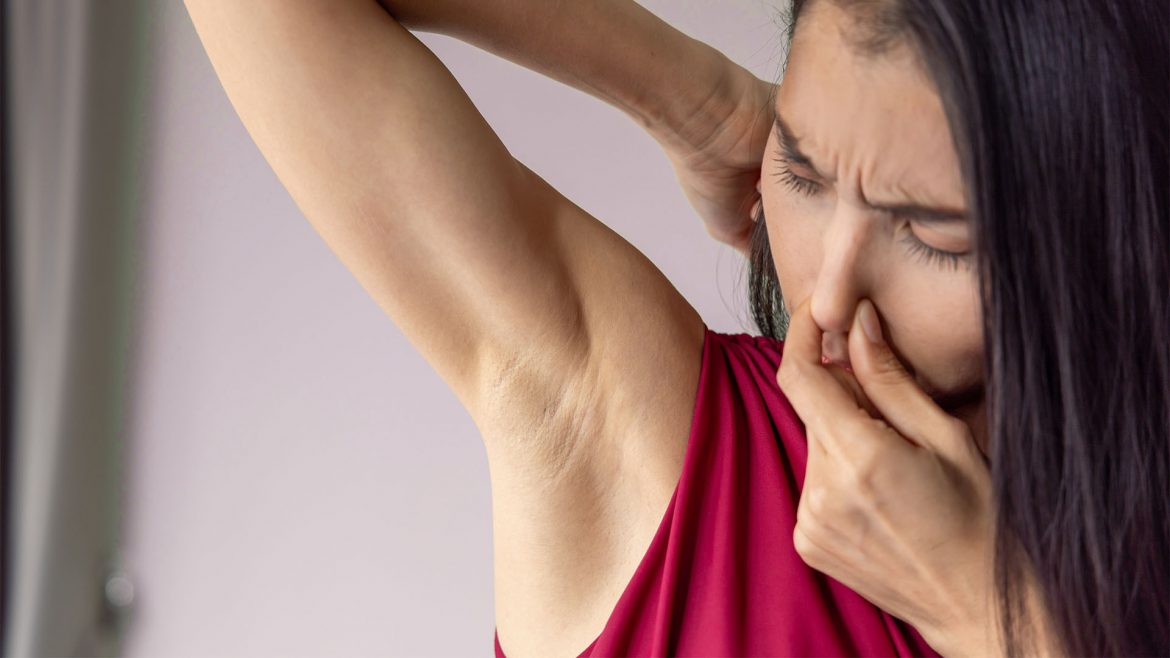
[{"x": 844, "y": 277}]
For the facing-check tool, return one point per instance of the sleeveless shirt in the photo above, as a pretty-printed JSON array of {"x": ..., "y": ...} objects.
[{"x": 721, "y": 576}]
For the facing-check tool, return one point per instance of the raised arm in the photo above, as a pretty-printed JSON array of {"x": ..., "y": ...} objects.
[
  {"x": 484, "y": 267},
  {"x": 678, "y": 88},
  {"x": 576, "y": 358},
  {"x": 523, "y": 303},
  {"x": 711, "y": 116}
]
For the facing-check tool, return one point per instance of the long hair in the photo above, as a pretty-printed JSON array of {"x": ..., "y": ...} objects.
[{"x": 1060, "y": 114}]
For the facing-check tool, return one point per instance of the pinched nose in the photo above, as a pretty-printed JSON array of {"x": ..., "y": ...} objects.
[{"x": 835, "y": 348}]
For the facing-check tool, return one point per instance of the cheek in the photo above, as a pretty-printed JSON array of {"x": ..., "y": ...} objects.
[
  {"x": 796, "y": 247},
  {"x": 937, "y": 331}
]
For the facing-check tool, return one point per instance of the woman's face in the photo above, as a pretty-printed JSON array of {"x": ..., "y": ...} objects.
[{"x": 863, "y": 198}]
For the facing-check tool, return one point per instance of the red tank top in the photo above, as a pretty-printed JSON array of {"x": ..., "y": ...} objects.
[{"x": 721, "y": 577}]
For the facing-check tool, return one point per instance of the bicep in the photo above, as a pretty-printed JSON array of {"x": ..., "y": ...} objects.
[{"x": 511, "y": 292}]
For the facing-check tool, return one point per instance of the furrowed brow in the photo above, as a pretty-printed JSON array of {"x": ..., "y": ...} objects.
[
  {"x": 790, "y": 144},
  {"x": 922, "y": 214}
]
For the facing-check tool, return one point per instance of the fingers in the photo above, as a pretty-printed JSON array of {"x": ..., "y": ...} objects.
[
  {"x": 826, "y": 401},
  {"x": 850, "y": 383},
  {"x": 893, "y": 391}
]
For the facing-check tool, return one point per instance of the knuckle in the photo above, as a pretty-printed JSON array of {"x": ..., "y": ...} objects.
[
  {"x": 803, "y": 544},
  {"x": 890, "y": 373}
]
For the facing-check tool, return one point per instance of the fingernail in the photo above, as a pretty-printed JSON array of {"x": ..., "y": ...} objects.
[{"x": 870, "y": 324}]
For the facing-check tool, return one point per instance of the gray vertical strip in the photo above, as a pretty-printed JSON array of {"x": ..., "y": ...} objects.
[
  {"x": 46, "y": 43},
  {"x": 7, "y": 351},
  {"x": 77, "y": 113}
]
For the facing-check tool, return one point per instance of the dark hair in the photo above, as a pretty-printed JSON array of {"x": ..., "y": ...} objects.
[{"x": 1060, "y": 113}]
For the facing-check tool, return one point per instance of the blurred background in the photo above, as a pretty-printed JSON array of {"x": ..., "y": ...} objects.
[{"x": 212, "y": 441}]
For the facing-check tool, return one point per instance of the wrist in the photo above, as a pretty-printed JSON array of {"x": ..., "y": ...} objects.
[
  {"x": 979, "y": 635},
  {"x": 684, "y": 106},
  {"x": 974, "y": 642}
]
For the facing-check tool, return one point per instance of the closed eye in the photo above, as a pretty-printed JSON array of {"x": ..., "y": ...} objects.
[
  {"x": 947, "y": 260},
  {"x": 794, "y": 182}
]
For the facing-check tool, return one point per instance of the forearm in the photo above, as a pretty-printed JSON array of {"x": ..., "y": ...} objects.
[
  {"x": 675, "y": 86},
  {"x": 982, "y": 636}
]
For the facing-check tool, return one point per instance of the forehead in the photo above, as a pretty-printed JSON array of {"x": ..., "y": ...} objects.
[{"x": 874, "y": 119}]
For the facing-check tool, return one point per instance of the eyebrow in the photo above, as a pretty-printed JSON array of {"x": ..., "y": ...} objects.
[{"x": 790, "y": 144}]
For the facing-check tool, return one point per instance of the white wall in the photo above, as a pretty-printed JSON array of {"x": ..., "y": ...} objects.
[{"x": 301, "y": 483}]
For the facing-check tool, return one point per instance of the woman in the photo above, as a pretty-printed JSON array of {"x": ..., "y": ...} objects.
[{"x": 959, "y": 246}]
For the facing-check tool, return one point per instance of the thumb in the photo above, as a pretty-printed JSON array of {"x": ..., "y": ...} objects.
[{"x": 892, "y": 389}]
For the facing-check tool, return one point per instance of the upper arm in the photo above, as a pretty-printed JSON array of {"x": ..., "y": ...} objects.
[{"x": 522, "y": 302}]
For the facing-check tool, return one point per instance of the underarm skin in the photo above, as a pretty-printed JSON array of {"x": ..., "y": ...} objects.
[{"x": 676, "y": 87}]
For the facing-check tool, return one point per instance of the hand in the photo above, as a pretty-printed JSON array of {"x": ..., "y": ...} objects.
[
  {"x": 717, "y": 157},
  {"x": 897, "y": 500}
]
